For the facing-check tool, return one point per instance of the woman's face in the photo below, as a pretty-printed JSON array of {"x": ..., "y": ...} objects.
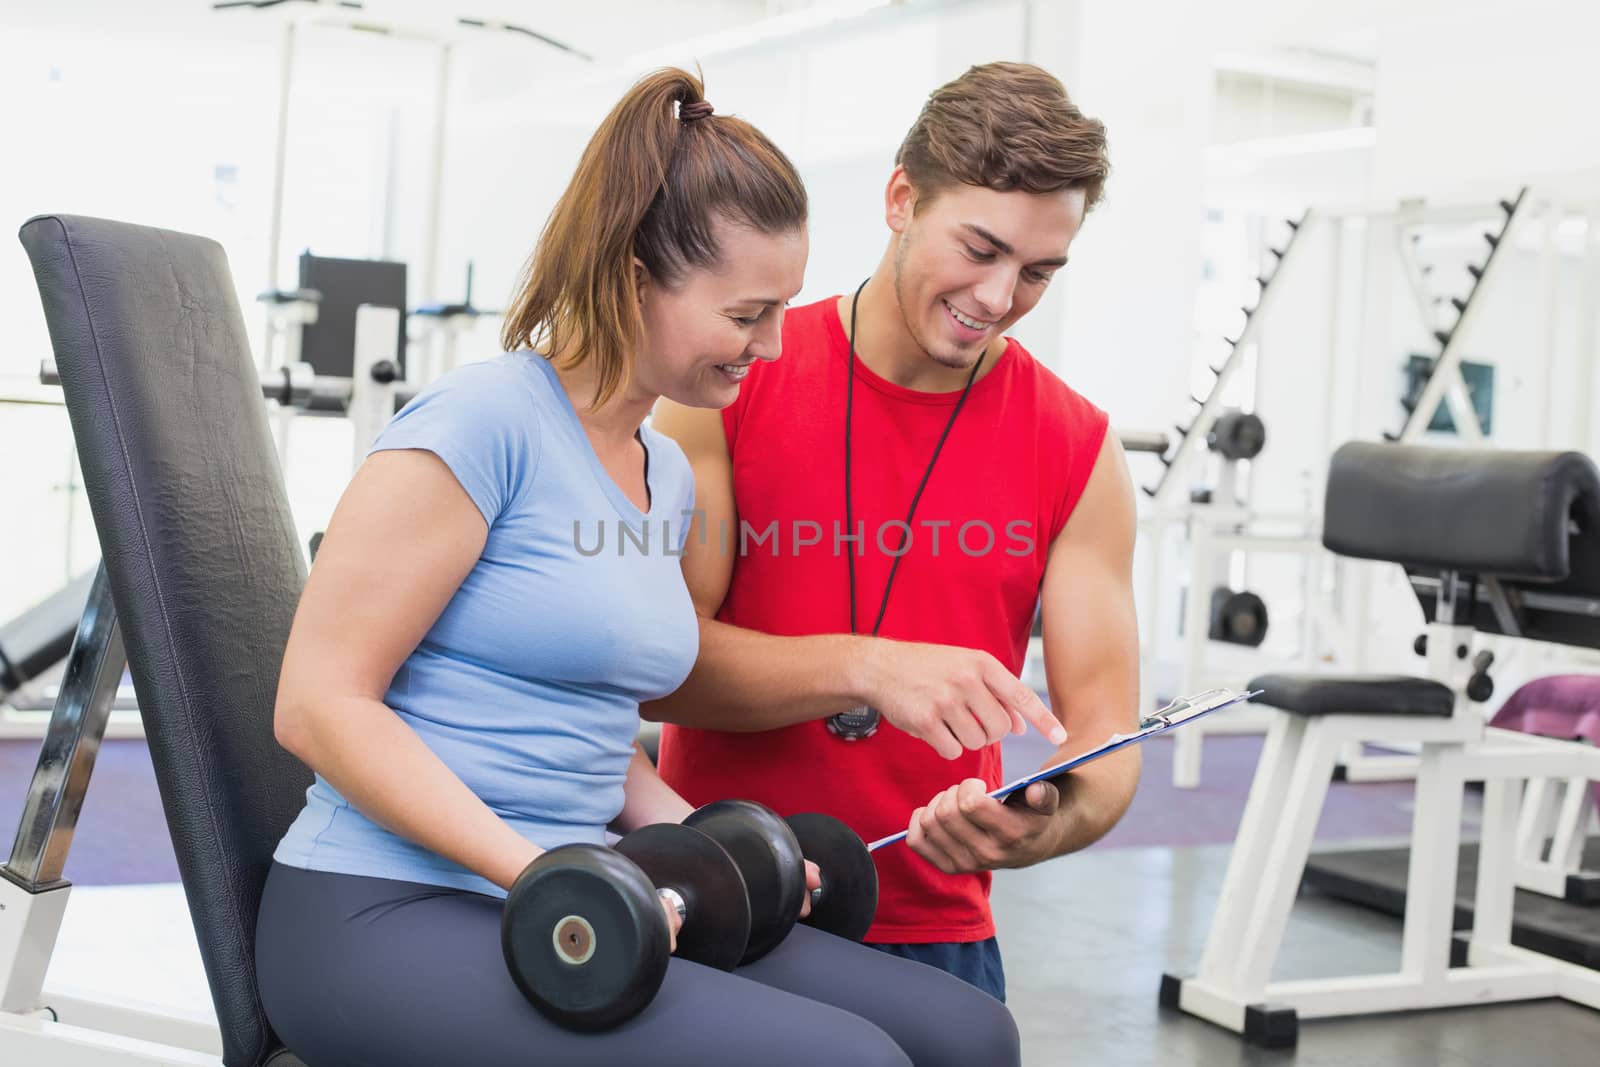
[{"x": 702, "y": 333}]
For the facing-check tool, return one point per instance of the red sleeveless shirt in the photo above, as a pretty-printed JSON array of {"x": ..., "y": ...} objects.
[{"x": 1014, "y": 465}]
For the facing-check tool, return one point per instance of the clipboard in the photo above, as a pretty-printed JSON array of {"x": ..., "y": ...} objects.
[{"x": 1180, "y": 712}]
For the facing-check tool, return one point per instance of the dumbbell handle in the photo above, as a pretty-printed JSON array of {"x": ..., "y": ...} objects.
[
  {"x": 673, "y": 897},
  {"x": 679, "y": 905}
]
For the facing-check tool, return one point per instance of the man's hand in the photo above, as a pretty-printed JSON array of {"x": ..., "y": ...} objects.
[
  {"x": 964, "y": 829},
  {"x": 952, "y": 698}
]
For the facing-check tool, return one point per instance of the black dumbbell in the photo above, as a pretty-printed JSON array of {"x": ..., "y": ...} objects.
[
  {"x": 1238, "y": 435},
  {"x": 584, "y": 933},
  {"x": 1238, "y": 618},
  {"x": 771, "y": 854},
  {"x": 1480, "y": 687}
]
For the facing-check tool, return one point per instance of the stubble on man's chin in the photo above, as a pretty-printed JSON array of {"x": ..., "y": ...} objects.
[{"x": 950, "y": 359}]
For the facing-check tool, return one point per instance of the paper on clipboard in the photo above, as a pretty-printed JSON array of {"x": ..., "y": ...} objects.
[{"x": 1178, "y": 713}]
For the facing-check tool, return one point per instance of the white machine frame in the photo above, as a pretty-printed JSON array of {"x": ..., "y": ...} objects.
[
  {"x": 1213, "y": 531},
  {"x": 1551, "y": 831},
  {"x": 1324, "y": 639},
  {"x": 1232, "y": 985}
]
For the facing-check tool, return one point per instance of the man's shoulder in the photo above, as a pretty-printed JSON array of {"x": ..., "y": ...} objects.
[
  {"x": 809, "y": 330},
  {"x": 1054, "y": 398},
  {"x": 813, "y": 316},
  {"x": 811, "y": 333}
]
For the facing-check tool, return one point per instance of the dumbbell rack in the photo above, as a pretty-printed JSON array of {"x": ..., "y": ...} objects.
[
  {"x": 1445, "y": 378},
  {"x": 1172, "y": 502},
  {"x": 1193, "y": 436}
]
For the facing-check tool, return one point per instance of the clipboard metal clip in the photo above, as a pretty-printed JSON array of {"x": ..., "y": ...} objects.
[{"x": 1181, "y": 711}]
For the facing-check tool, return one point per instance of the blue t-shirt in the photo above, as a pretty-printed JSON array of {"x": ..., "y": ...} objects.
[{"x": 528, "y": 684}]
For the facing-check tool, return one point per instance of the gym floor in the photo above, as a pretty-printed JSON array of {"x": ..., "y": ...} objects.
[{"x": 1085, "y": 938}]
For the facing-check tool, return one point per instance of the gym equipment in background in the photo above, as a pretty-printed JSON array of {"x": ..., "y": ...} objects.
[
  {"x": 1553, "y": 836},
  {"x": 1443, "y": 383},
  {"x": 369, "y": 396},
  {"x": 41, "y": 637},
  {"x": 1199, "y": 431},
  {"x": 1202, "y": 527},
  {"x": 328, "y": 341},
  {"x": 1237, "y": 616},
  {"x": 1492, "y": 542},
  {"x": 294, "y": 22}
]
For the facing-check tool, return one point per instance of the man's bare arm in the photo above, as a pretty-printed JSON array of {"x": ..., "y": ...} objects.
[
  {"x": 1091, "y": 652},
  {"x": 1091, "y": 648}
]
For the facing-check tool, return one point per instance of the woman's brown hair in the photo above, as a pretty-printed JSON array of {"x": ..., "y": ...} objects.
[{"x": 655, "y": 177}]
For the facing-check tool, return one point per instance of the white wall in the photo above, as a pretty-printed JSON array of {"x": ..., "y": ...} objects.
[
  {"x": 1249, "y": 107},
  {"x": 1480, "y": 96},
  {"x": 1129, "y": 292}
]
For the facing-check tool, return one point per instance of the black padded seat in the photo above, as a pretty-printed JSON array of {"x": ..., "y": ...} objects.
[
  {"x": 285, "y": 1059},
  {"x": 1355, "y": 694},
  {"x": 201, "y": 553}
]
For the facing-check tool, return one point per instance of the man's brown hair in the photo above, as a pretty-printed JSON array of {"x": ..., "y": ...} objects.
[{"x": 1005, "y": 126}]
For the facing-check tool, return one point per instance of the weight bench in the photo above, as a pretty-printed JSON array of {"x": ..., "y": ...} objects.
[
  {"x": 200, "y": 579},
  {"x": 1502, "y": 542},
  {"x": 40, "y": 637}
]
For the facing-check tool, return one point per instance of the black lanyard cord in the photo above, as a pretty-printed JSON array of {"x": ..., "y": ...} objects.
[{"x": 849, "y": 513}]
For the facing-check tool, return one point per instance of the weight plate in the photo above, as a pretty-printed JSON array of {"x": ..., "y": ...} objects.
[
  {"x": 716, "y": 928},
  {"x": 769, "y": 857},
  {"x": 584, "y": 937},
  {"x": 849, "y": 897}
]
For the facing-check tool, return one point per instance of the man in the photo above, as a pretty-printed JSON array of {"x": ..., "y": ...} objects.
[{"x": 882, "y": 510}]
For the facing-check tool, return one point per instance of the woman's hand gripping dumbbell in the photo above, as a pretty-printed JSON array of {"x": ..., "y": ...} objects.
[{"x": 587, "y": 938}]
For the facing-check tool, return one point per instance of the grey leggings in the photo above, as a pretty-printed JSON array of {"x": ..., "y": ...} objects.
[{"x": 365, "y": 971}]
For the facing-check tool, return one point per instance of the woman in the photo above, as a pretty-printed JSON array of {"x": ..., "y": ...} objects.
[{"x": 464, "y": 670}]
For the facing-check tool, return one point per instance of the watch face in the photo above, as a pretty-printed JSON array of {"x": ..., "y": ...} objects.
[{"x": 853, "y": 725}]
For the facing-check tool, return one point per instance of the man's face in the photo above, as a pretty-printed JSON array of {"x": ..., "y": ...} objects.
[{"x": 973, "y": 261}]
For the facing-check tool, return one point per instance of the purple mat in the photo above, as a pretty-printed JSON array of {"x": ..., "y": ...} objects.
[
  {"x": 122, "y": 835},
  {"x": 1563, "y": 706}
]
